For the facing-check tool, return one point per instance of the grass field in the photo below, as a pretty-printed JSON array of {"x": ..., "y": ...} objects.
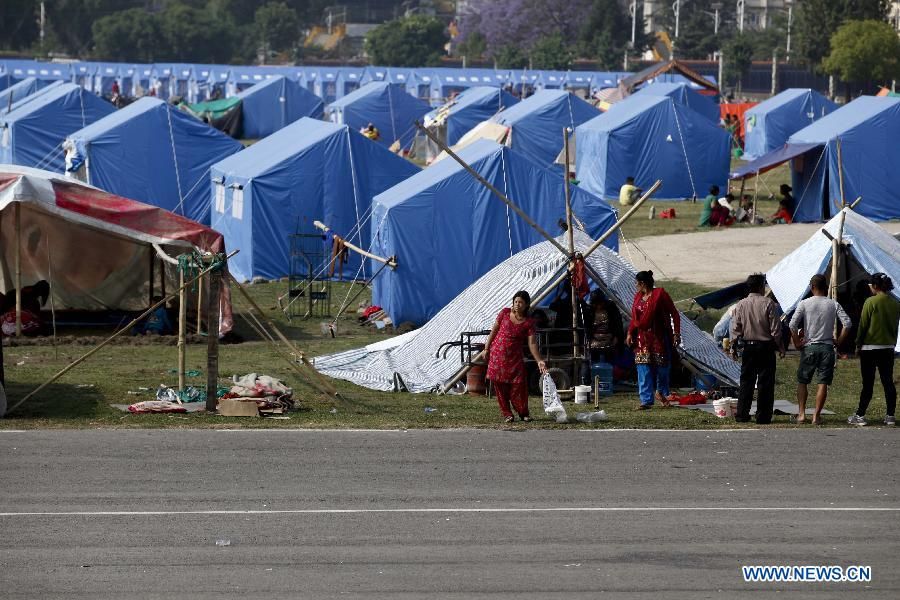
[{"x": 82, "y": 397}]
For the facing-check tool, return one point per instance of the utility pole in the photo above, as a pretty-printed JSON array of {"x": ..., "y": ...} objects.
[{"x": 740, "y": 14}]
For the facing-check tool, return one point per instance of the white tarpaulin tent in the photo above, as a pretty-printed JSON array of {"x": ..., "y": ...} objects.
[{"x": 414, "y": 355}]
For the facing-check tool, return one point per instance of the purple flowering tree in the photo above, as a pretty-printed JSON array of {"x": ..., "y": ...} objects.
[{"x": 522, "y": 23}]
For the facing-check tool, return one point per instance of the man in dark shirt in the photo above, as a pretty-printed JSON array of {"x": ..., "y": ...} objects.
[{"x": 757, "y": 323}]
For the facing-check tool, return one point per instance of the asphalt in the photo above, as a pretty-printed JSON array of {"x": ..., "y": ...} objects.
[{"x": 450, "y": 514}]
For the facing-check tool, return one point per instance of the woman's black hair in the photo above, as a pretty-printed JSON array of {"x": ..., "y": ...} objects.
[
  {"x": 597, "y": 298},
  {"x": 524, "y": 296},
  {"x": 645, "y": 277},
  {"x": 882, "y": 282}
]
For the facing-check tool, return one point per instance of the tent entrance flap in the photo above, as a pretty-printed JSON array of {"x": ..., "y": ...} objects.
[{"x": 771, "y": 160}]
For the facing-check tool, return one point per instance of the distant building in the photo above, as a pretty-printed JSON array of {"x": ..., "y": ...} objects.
[{"x": 758, "y": 14}]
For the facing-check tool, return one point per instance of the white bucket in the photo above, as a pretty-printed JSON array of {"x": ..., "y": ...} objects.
[
  {"x": 582, "y": 394},
  {"x": 723, "y": 408}
]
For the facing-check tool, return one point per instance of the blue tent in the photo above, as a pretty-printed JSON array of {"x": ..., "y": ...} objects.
[
  {"x": 385, "y": 105},
  {"x": 325, "y": 83},
  {"x": 274, "y": 103},
  {"x": 650, "y": 138},
  {"x": 32, "y": 135},
  {"x": 769, "y": 124},
  {"x": 682, "y": 94},
  {"x": 20, "y": 90},
  {"x": 868, "y": 128},
  {"x": 447, "y": 230},
  {"x": 152, "y": 152},
  {"x": 536, "y": 124},
  {"x": 470, "y": 108},
  {"x": 310, "y": 170}
]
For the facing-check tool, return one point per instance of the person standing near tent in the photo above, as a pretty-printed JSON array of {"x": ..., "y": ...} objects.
[
  {"x": 812, "y": 330},
  {"x": 756, "y": 325},
  {"x": 708, "y": 203},
  {"x": 506, "y": 360},
  {"x": 654, "y": 333},
  {"x": 876, "y": 340}
]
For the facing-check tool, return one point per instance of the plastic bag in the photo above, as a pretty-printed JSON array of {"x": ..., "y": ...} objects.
[
  {"x": 552, "y": 405},
  {"x": 591, "y": 417}
]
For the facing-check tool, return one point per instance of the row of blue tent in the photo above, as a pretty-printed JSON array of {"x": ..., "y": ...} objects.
[{"x": 198, "y": 82}]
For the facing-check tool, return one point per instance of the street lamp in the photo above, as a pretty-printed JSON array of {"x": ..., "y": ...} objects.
[
  {"x": 716, "y": 6},
  {"x": 787, "y": 48},
  {"x": 740, "y": 13},
  {"x": 632, "y": 10},
  {"x": 676, "y": 8}
]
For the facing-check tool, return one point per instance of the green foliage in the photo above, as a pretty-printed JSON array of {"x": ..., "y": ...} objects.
[
  {"x": 864, "y": 51},
  {"x": 817, "y": 20},
  {"x": 277, "y": 26},
  {"x": 474, "y": 45},
  {"x": 408, "y": 42},
  {"x": 738, "y": 58},
  {"x": 129, "y": 35},
  {"x": 194, "y": 35},
  {"x": 606, "y": 34},
  {"x": 696, "y": 28},
  {"x": 20, "y": 28},
  {"x": 551, "y": 52},
  {"x": 510, "y": 57}
]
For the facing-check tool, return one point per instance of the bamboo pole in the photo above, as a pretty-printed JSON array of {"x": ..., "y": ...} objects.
[
  {"x": 494, "y": 190},
  {"x": 390, "y": 261},
  {"x": 318, "y": 380},
  {"x": 18, "y": 225},
  {"x": 212, "y": 337},
  {"x": 576, "y": 362},
  {"x": 182, "y": 328},
  {"x": 199, "y": 303},
  {"x": 105, "y": 342}
]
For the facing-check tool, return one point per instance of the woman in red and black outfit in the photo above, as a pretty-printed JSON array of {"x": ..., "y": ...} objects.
[
  {"x": 654, "y": 333},
  {"x": 506, "y": 359}
]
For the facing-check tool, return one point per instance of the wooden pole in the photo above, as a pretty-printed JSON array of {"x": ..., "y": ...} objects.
[
  {"x": 105, "y": 342},
  {"x": 494, "y": 190},
  {"x": 200, "y": 284},
  {"x": 182, "y": 327},
  {"x": 755, "y": 196},
  {"x": 18, "y": 225},
  {"x": 212, "y": 336},
  {"x": 390, "y": 261},
  {"x": 840, "y": 171},
  {"x": 152, "y": 276},
  {"x": 576, "y": 359}
]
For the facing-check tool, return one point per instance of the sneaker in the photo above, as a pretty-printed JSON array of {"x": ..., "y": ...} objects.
[
  {"x": 889, "y": 421},
  {"x": 856, "y": 420}
]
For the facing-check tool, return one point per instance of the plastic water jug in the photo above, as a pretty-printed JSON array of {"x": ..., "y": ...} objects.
[{"x": 605, "y": 372}]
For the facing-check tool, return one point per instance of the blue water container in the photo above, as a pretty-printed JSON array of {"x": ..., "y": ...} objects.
[{"x": 605, "y": 372}]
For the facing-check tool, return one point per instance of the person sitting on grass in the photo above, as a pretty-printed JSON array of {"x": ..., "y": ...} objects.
[
  {"x": 783, "y": 214},
  {"x": 720, "y": 216},
  {"x": 708, "y": 203}
]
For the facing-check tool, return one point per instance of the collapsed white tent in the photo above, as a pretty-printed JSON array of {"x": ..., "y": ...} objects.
[
  {"x": 414, "y": 356},
  {"x": 870, "y": 249}
]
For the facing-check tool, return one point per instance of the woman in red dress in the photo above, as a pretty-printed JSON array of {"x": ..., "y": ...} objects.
[
  {"x": 506, "y": 359},
  {"x": 654, "y": 333}
]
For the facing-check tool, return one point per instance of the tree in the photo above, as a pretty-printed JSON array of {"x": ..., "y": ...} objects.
[
  {"x": 552, "y": 53},
  {"x": 474, "y": 45},
  {"x": 20, "y": 27},
  {"x": 738, "y": 58},
  {"x": 864, "y": 51},
  {"x": 277, "y": 27},
  {"x": 606, "y": 34},
  {"x": 128, "y": 35},
  {"x": 696, "y": 27},
  {"x": 510, "y": 57},
  {"x": 408, "y": 42},
  {"x": 194, "y": 35},
  {"x": 818, "y": 20}
]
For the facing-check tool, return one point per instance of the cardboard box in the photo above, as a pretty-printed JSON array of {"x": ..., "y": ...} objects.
[{"x": 232, "y": 407}]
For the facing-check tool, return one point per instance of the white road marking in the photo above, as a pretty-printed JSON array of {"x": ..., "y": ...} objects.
[{"x": 342, "y": 511}]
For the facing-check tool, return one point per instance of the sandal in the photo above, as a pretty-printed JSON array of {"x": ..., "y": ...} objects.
[
  {"x": 527, "y": 419},
  {"x": 509, "y": 419}
]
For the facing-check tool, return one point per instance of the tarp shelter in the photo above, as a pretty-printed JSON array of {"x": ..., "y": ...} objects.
[
  {"x": 20, "y": 90},
  {"x": 460, "y": 115},
  {"x": 536, "y": 124},
  {"x": 868, "y": 129},
  {"x": 152, "y": 152},
  {"x": 310, "y": 170},
  {"x": 769, "y": 124},
  {"x": 32, "y": 135},
  {"x": 274, "y": 103},
  {"x": 386, "y": 105},
  {"x": 683, "y": 95},
  {"x": 225, "y": 114},
  {"x": 416, "y": 358},
  {"x": 650, "y": 138},
  {"x": 867, "y": 249},
  {"x": 446, "y": 229},
  {"x": 52, "y": 85},
  {"x": 94, "y": 248}
]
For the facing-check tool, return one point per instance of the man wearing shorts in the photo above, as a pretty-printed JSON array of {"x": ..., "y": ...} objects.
[{"x": 812, "y": 331}]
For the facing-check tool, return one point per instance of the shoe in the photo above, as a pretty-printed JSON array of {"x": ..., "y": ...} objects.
[
  {"x": 509, "y": 419},
  {"x": 644, "y": 407},
  {"x": 527, "y": 419},
  {"x": 889, "y": 421},
  {"x": 856, "y": 420}
]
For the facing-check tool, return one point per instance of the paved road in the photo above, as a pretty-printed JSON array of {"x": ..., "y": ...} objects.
[{"x": 452, "y": 514}]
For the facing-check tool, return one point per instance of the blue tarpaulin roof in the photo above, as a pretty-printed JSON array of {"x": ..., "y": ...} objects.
[
  {"x": 37, "y": 129},
  {"x": 387, "y": 106},
  {"x": 471, "y": 107},
  {"x": 152, "y": 152},
  {"x": 537, "y": 123},
  {"x": 650, "y": 138},
  {"x": 446, "y": 229},
  {"x": 310, "y": 170},
  {"x": 17, "y": 91},
  {"x": 769, "y": 124},
  {"x": 51, "y": 85},
  {"x": 272, "y": 104},
  {"x": 684, "y": 95},
  {"x": 868, "y": 129}
]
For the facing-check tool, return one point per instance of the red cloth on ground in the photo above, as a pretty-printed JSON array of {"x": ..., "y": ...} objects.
[
  {"x": 653, "y": 324},
  {"x": 506, "y": 361}
]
